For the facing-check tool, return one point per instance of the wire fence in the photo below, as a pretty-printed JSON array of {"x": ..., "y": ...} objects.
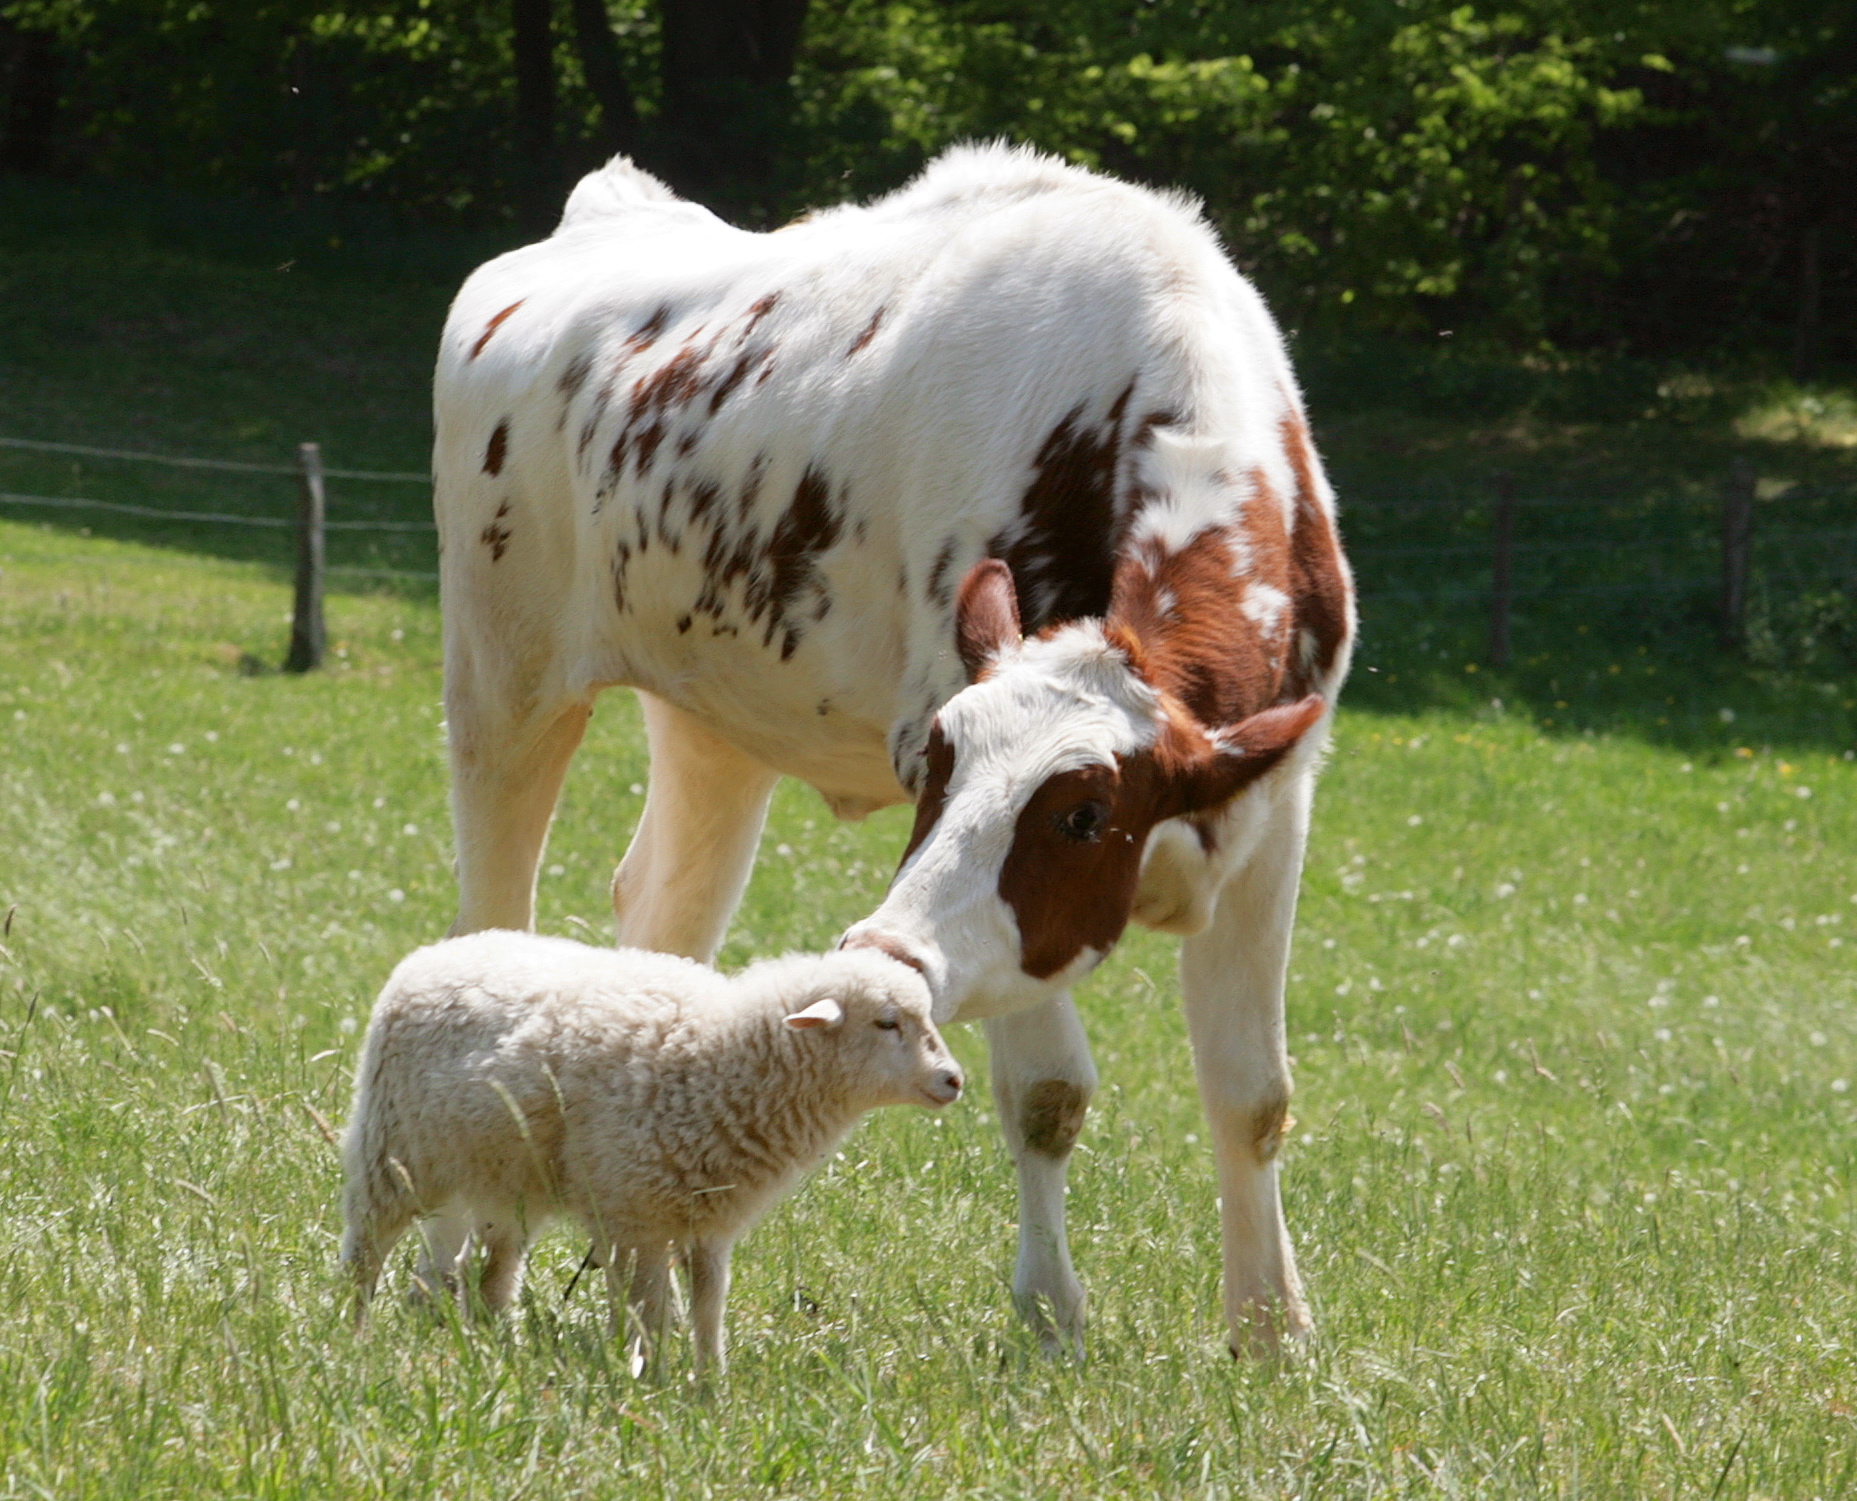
[{"x": 1648, "y": 533}]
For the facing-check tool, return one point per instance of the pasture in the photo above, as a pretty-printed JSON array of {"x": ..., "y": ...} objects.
[
  {"x": 1573, "y": 1010},
  {"x": 1571, "y": 1173}
]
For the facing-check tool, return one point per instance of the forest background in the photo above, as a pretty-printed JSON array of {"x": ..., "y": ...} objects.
[{"x": 1560, "y": 180}]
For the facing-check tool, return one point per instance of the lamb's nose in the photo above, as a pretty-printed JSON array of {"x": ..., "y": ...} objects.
[{"x": 951, "y": 1082}]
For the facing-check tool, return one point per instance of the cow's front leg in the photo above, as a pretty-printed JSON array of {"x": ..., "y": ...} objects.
[
  {"x": 507, "y": 767},
  {"x": 1232, "y": 976},
  {"x": 1043, "y": 1078},
  {"x": 691, "y": 857}
]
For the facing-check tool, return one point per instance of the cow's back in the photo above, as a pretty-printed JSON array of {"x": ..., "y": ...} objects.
[{"x": 746, "y": 472}]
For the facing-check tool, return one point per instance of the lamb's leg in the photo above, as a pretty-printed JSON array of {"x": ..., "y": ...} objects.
[
  {"x": 638, "y": 1280},
  {"x": 505, "y": 1243},
  {"x": 439, "y": 1273},
  {"x": 1043, "y": 1078},
  {"x": 690, "y": 859},
  {"x": 709, "y": 1296},
  {"x": 508, "y": 760}
]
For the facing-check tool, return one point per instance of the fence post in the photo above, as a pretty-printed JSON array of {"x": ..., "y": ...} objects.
[
  {"x": 1502, "y": 581},
  {"x": 307, "y": 636},
  {"x": 1737, "y": 540}
]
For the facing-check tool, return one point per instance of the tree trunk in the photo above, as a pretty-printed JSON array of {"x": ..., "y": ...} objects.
[
  {"x": 538, "y": 186},
  {"x": 600, "y": 61},
  {"x": 1805, "y": 326},
  {"x": 727, "y": 66},
  {"x": 29, "y": 78}
]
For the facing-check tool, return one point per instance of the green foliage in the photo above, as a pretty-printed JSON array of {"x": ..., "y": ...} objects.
[{"x": 1530, "y": 171}]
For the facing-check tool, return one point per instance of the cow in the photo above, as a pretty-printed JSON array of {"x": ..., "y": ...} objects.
[{"x": 994, "y": 495}]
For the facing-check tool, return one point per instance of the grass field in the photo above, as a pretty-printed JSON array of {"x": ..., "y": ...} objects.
[{"x": 1573, "y": 1008}]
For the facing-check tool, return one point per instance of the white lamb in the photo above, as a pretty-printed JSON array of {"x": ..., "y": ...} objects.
[{"x": 507, "y": 1079}]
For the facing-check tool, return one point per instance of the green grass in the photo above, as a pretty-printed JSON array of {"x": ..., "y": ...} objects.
[{"x": 1571, "y": 1180}]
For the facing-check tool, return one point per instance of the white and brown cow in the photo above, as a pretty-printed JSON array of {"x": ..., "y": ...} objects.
[{"x": 995, "y": 496}]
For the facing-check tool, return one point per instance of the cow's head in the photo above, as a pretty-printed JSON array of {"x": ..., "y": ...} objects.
[{"x": 1045, "y": 775}]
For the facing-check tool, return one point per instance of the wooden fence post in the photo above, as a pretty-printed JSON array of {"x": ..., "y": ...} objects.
[
  {"x": 1502, "y": 579},
  {"x": 1737, "y": 543},
  {"x": 307, "y": 636}
]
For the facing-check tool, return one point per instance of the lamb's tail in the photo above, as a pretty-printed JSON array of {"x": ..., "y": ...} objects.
[
  {"x": 619, "y": 187},
  {"x": 377, "y": 1196}
]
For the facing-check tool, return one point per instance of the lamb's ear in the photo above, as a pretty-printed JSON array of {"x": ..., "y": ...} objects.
[
  {"x": 827, "y": 1013},
  {"x": 986, "y": 615},
  {"x": 1246, "y": 750}
]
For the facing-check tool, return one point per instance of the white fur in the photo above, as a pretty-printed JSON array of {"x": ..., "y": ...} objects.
[{"x": 508, "y": 1079}]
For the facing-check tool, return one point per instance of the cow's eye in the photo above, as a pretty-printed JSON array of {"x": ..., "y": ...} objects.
[{"x": 1083, "y": 823}]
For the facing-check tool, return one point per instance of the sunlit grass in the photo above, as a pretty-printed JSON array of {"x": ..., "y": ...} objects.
[
  {"x": 1573, "y": 1020},
  {"x": 1818, "y": 417}
]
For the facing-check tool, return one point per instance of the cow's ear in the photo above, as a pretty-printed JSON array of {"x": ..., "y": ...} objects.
[
  {"x": 1243, "y": 752},
  {"x": 986, "y": 615}
]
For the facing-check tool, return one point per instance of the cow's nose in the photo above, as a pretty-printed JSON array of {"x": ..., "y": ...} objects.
[{"x": 883, "y": 943}]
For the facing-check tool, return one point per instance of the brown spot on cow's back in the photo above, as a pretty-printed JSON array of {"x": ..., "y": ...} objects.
[
  {"x": 497, "y": 448},
  {"x": 759, "y": 309},
  {"x": 493, "y": 325},
  {"x": 869, "y": 333},
  {"x": 1062, "y": 547}
]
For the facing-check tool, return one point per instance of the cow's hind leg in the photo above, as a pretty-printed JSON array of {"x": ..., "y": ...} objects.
[
  {"x": 507, "y": 766},
  {"x": 1232, "y": 978},
  {"x": 694, "y": 850},
  {"x": 1043, "y": 1078}
]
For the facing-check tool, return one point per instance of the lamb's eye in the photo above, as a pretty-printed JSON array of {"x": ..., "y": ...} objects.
[
  {"x": 1083, "y": 824},
  {"x": 887, "y": 1023}
]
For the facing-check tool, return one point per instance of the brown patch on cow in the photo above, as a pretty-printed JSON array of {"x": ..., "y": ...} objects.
[
  {"x": 884, "y": 944},
  {"x": 1181, "y": 610},
  {"x": 941, "y": 575},
  {"x": 683, "y": 624},
  {"x": 1320, "y": 589},
  {"x": 737, "y": 373},
  {"x": 495, "y": 536},
  {"x": 575, "y": 375},
  {"x": 1062, "y": 547},
  {"x": 758, "y": 310},
  {"x": 1051, "y": 1119},
  {"x": 986, "y": 616},
  {"x": 499, "y": 446},
  {"x": 870, "y": 332},
  {"x": 493, "y": 325},
  {"x": 1269, "y": 1122},
  {"x": 810, "y": 527},
  {"x": 939, "y": 759},
  {"x": 1075, "y": 861},
  {"x": 646, "y": 334}
]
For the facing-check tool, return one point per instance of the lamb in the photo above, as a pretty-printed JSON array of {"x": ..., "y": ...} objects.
[{"x": 509, "y": 1079}]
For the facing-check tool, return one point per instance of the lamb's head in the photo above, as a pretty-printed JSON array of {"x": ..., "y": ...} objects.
[{"x": 874, "y": 1014}]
